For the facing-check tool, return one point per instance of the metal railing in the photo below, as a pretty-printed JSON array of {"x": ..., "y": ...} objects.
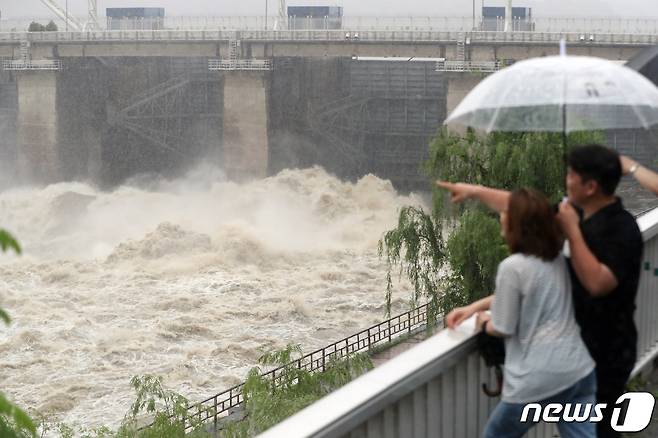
[
  {"x": 468, "y": 66},
  {"x": 220, "y": 405},
  {"x": 239, "y": 65},
  {"x": 331, "y": 36},
  {"x": 433, "y": 389},
  {"x": 41, "y": 64},
  {"x": 463, "y": 24}
]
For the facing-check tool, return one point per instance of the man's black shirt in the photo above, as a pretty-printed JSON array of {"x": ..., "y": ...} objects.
[{"x": 606, "y": 323}]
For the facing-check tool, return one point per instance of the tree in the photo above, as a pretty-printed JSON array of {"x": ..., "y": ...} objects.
[
  {"x": 14, "y": 422},
  {"x": 450, "y": 254},
  {"x": 36, "y": 27},
  {"x": 51, "y": 27}
]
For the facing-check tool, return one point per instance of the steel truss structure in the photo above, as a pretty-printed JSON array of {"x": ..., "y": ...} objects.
[
  {"x": 163, "y": 114},
  {"x": 384, "y": 124}
]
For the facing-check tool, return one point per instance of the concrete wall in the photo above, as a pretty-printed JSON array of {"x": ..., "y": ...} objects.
[
  {"x": 459, "y": 85},
  {"x": 82, "y": 93},
  {"x": 38, "y": 157},
  {"x": 8, "y": 112},
  {"x": 477, "y": 51},
  {"x": 245, "y": 153},
  {"x": 145, "y": 49}
]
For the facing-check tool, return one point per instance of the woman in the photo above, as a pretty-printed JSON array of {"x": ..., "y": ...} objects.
[{"x": 546, "y": 360}]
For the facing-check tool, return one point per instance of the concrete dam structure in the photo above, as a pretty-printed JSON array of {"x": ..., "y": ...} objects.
[
  {"x": 107, "y": 119},
  {"x": 115, "y": 105}
]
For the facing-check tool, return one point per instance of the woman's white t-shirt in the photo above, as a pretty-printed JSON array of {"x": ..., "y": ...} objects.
[{"x": 533, "y": 307}]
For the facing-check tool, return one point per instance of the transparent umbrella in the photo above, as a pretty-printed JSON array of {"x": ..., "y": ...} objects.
[{"x": 560, "y": 94}]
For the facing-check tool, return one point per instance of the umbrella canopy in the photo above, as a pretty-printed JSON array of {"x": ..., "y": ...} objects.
[{"x": 560, "y": 94}]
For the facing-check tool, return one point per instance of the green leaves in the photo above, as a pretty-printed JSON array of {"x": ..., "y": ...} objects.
[
  {"x": 474, "y": 250},
  {"x": 7, "y": 242},
  {"x": 14, "y": 422},
  {"x": 267, "y": 403},
  {"x": 416, "y": 246},
  {"x": 4, "y": 316},
  {"x": 167, "y": 408}
]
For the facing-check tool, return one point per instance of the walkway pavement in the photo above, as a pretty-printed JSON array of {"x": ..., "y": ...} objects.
[{"x": 388, "y": 354}]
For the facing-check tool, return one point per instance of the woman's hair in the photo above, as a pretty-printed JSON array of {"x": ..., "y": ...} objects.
[{"x": 532, "y": 228}]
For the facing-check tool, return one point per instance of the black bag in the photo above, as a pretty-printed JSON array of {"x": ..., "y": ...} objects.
[{"x": 492, "y": 350}]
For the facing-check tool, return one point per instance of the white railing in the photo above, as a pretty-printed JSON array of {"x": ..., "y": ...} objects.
[
  {"x": 41, "y": 64},
  {"x": 638, "y": 25},
  {"x": 332, "y": 35},
  {"x": 434, "y": 389},
  {"x": 469, "y": 66},
  {"x": 241, "y": 64}
]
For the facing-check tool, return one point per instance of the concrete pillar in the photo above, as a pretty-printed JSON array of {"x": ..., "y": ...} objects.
[
  {"x": 459, "y": 85},
  {"x": 246, "y": 148},
  {"x": 81, "y": 101},
  {"x": 38, "y": 157},
  {"x": 8, "y": 111}
]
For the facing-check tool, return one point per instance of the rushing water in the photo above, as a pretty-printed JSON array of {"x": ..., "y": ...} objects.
[{"x": 189, "y": 279}]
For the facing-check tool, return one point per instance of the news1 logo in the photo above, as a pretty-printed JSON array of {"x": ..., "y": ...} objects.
[{"x": 635, "y": 417}]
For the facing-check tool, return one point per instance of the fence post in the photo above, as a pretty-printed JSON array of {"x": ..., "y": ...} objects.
[
  {"x": 389, "y": 330},
  {"x": 323, "y": 361},
  {"x": 215, "y": 415},
  {"x": 368, "y": 339}
]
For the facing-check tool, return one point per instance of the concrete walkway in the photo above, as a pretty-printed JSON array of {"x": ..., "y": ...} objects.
[{"x": 390, "y": 353}]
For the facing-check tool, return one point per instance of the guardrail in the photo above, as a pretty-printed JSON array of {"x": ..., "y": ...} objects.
[
  {"x": 41, "y": 64},
  {"x": 461, "y": 24},
  {"x": 331, "y": 36},
  {"x": 220, "y": 405},
  {"x": 471, "y": 66},
  {"x": 433, "y": 389},
  {"x": 239, "y": 65}
]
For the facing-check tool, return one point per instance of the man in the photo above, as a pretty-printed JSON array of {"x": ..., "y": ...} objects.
[
  {"x": 646, "y": 177},
  {"x": 606, "y": 251}
]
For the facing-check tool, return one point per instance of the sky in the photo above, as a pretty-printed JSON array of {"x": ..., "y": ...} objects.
[{"x": 453, "y": 8}]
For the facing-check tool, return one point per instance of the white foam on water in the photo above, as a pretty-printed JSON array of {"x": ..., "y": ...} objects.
[{"x": 189, "y": 279}]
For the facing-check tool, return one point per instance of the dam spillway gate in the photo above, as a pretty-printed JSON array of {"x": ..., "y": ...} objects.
[{"x": 105, "y": 119}]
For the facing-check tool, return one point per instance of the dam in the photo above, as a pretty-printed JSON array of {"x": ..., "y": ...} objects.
[{"x": 104, "y": 106}]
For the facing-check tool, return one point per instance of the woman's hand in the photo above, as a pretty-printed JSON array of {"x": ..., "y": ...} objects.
[
  {"x": 481, "y": 319},
  {"x": 458, "y": 191},
  {"x": 459, "y": 315}
]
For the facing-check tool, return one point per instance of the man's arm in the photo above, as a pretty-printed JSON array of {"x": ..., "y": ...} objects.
[
  {"x": 596, "y": 277},
  {"x": 493, "y": 198},
  {"x": 647, "y": 178}
]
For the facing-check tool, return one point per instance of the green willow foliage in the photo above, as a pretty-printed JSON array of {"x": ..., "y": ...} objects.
[
  {"x": 267, "y": 404},
  {"x": 450, "y": 255},
  {"x": 167, "y": 408}
]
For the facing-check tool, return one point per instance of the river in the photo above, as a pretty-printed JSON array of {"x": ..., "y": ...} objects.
[{"x": 190, "y": 279}]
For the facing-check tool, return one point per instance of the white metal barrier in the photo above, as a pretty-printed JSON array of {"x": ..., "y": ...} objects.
[
  {"x": 241, "y": 64},
  {"x": 638, "y": 25},
  {"x": 41, "y": 64},
  {"x": 434, "y": 389},
  {"x": 470, "y": 66},
  {"x": 410, "y": 36}
]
